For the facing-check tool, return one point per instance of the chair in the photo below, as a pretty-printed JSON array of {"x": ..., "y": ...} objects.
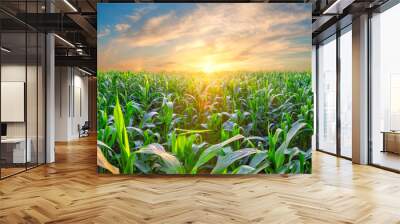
[{"x": 84, "y": 130}]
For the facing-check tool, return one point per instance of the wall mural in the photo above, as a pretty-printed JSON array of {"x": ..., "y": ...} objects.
[{"x": 204, "y": 88}]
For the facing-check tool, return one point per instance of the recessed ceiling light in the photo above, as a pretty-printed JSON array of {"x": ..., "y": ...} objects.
[
  {"x": 70, "y": 5},
  {"x": 64, "y": 40},
  {"x": 337, "y": 7},
  {"x": 5, "y": 50},
  {"x": 86, "y": 72}
]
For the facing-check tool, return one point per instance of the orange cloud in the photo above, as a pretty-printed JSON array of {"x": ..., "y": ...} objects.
[{"x": 230, "y": 36}]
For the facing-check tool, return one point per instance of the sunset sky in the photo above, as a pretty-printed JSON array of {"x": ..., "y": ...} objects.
[{"x": 204, "y": 37}]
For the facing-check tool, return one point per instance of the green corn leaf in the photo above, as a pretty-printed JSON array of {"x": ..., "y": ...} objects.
[
  {"x": 121, "y": 129},
  {"x": 105, "y": 146},
  {"x": 279, "y": 159},
  {"x": 302, "y": 163},
  {"x": 170, "y": 162},
  {"x": 127, "y": 160},
  {"x": 243, "y": 169},
  {"x": 258, "y": 158},
  {"x": 212, "y": 151},
  {"x": 188, "y": 131},
  {"x": 224, "y": 161},
  {"x": 280, "y": 153},
  {"x": 264, "y": 165}
]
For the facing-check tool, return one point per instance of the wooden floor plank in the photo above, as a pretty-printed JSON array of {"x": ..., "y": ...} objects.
[{"x": 70, "y": 191}]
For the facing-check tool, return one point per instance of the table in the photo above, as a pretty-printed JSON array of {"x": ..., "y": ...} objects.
[
  {"x": 391, "y": 141},
  {"x": 16, "y": 147}
]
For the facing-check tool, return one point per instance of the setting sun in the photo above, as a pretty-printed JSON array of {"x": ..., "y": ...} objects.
[{"x": 209, "y": 68}]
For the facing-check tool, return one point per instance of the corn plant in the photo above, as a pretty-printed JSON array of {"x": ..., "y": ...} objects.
[{"x": 232, "y": 123}]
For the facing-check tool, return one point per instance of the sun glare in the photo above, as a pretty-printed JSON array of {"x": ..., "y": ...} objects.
[{"x": 208, "y": 68}]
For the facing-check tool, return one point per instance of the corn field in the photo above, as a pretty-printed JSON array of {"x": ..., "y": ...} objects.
[{"x": 223, "y": 123}]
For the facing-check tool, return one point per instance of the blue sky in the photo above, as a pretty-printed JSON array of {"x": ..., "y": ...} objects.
[{"x": 204, "y": 37}]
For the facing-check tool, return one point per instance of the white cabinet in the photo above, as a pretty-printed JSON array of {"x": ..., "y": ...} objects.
[{"x": 18, "y": 147}]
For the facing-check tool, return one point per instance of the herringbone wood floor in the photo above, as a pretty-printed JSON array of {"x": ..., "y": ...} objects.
[{"x": 70, "y": 191}]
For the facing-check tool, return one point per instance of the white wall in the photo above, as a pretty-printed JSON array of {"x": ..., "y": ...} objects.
[
  {"x": 13, "y": 101},
  {"x": 70, "y": 83},
  {"x": 13, "y": 72},
  {"x": 62, "y": 82},
  {"x": 81, "y": 85}
]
